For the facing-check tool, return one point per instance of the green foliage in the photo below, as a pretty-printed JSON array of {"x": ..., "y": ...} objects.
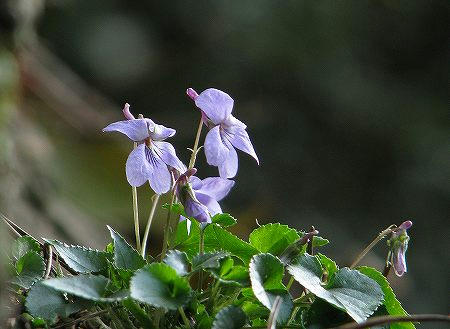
[
  {"x": 81, "y": 259},
  {"x": 349, "y": 290},
  {"x": 393, "y": 306},
  {"x": 178, "y": 261},
  {"x": 29, "y": 268},
  {"x": 125, "y": 256},
  {"x": 266, "y": 274},
  {"x": 217, "y": 238},
  {"x": 209, "y": 260},
  {"x": 229, "y": 274},
  {"x": 230, "y": 317},
  {"x": 159, "y": 285},
  {"x": 273, "y": 238},
  {"x": 23, "y": 245},
  {"x": 47, "y": 303},
  {"x": 224, "y": 220},
  {"x": 86, "y": 286}
]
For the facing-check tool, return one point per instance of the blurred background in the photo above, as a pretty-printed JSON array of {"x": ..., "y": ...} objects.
[{"x": 346, "y": 104}]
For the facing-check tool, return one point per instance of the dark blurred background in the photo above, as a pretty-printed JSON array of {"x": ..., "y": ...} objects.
[{"x": 346, "y": 104}]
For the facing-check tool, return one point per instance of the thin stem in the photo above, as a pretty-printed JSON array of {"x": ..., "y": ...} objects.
[
  {"x": 155, "y": 200},
  {"x": 380, "y": 320},
  {"x": 184, "y": 317},
  {"x": 136, "y": 214},
  {"x": 371, "y": 245},
  {"x": 167, "y": 227},
  {"x": 194, "y": 149},
  {"x": 49, "y": 255},
  {"x": 291, "y": 281}
]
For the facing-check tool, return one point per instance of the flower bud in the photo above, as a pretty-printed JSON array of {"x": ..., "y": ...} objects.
[{"x": 398, "y": 244}]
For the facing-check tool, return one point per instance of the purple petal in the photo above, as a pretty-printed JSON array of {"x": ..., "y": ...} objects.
[
  {"x": 160, "y": 133},
  {"x": 216, "y": 104},
  {"x": 232, "y": 121},
  {"x": 197, "y": 210},
  {"x": 167, "y": 153},
  {"x": 136, "y": 130},
  {"x": 137, "y": 168},
  {"x": 160, "y": 179},
  {"x": 241, "y": 141},
  {"x": 405, "y": 225},
  {"x": 196, "y": 182},
  {"x": 212, "y": 205},
  {"x": 215, "y": 187},
  {"x": 399, "y": 260},
  {"x": 229, "y": 166},
  {"x": 215, "y": 149},
  {"x": 126, "y": 112}
]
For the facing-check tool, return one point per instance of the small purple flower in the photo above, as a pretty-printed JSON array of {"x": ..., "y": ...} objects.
[
  {"x": 399, "y": 244},
  {"x": 200, "y": 197},
  {"x": 149, "y": 161},
  {"x": 225, "y": 131}
]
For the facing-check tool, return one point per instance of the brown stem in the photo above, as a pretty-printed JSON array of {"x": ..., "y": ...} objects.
[{"x": 379, "y": 320}]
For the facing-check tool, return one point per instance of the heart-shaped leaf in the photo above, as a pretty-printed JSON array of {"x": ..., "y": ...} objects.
[
  {"x": 208, "y": 260},
  {"x": 159, "y": 285},
  {"x": 23, "y": 245},
  {"x": 86, "y": 286},
  {"x": 125, "y": 256},
  {"x": 178, "y": 261},
  {"x": 224, "y": 220},
  {"x": 217, "y": 238},
  {"x": 49, "y": 304},
  {"x": 229, "y": 274},
  {"x": 349, "y": 290},
  {"x": 273, "y": 238},
  {"x": 393, "y": 306},
  {"x": 81, "y": 259},
  {"x": 30, "y": 268},
  {"x": 266, "y": 273},
  {"x": 230, "y": 317}
]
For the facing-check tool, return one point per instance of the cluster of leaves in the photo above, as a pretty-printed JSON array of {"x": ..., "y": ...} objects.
[{"x": 229, "y": 284}]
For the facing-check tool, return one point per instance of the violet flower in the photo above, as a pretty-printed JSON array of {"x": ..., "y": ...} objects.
[
  {"x": 200, "y": 197},
  {"x": 399, "y": 244},
  {"x": 225, "y": 131},
  {"x": 149, "y": 161}
]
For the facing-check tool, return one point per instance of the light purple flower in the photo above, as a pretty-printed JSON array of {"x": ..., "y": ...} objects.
[
  {"x": 399, "y": 244},
  {"x": 149, "y": 161},
  {"x": 200, "y": 197},
  {"x": 225, "y": 131}
]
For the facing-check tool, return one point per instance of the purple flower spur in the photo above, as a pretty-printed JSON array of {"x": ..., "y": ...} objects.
[
  {"x": 225, "y": 131},
  {"x": 399, "y": 244},
  {"x": 149, "y": 161},
  {"x": 200, "y": 197}
]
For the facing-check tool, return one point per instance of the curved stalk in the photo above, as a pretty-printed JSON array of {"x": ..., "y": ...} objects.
[{"x": 149, "y": 223}]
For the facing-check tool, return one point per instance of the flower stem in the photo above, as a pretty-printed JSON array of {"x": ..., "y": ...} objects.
[
  {"x": 195, "y": 148},
  {"x": 136, "y": 215},
  {"x": 289, "y": 285},
  {"x": 371, "y": 245},
  {"x": 149, "y": 223},
  {"x": 184, "y": 317},
  {"x": 167, "y": 227}
]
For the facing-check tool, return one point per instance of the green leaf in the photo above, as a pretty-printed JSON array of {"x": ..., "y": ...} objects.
[
  {"x": 81, "y": 259},
  {"x": 254, "y": 310},
  {"x": 159, "y": 285},
  {"x": 217, "y": 238},
  {"x": 125, "y": 256},
  {"x": 178, "y": 261},
  {"x": 208, "y": 260},
  {"x": 47, "y": 303},
  {"x": 391, "y": 303},
  {"x": 349, "y": 290},
  {"x": 189, "y": 243},
  {"x": 318, "y": 241},
  {"x": 23, "y": 245},
  {"x": 328, "y": 264},
  {"x": 177, "y": 208},
  {"x": 30, "y": 268},
  {"x": 273, "y": 238},
  {"x": 224, "y": 220},
  {"x": 86, "y": 286},
  {"x": 230, "y": 274},
  {"x": 266, "y": 273},
  {"x": 230, "y": 317}
]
